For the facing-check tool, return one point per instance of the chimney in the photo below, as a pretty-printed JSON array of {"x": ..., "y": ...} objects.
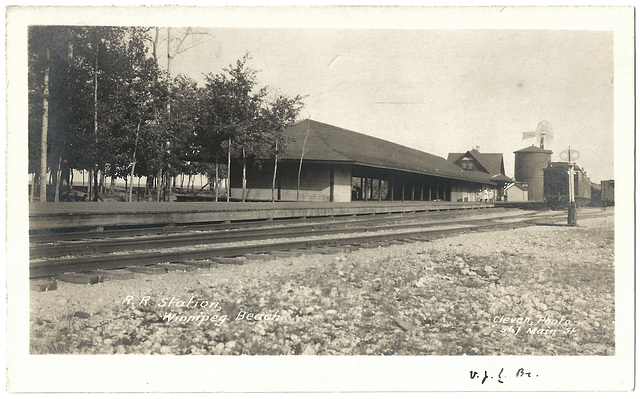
[{"x": 477, "y": 148}]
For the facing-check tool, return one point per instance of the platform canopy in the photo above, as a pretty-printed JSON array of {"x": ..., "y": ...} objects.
[{"x": 332, "y": 144}]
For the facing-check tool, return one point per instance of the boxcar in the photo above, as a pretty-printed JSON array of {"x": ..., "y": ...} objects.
[
  {"x": 556, "y": 188},
  {"x": 607, "y": 193}
]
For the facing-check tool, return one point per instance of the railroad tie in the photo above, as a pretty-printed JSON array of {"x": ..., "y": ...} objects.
[
  {"x": 286, "y": 254},
  {"x": 200, "y": 263},
  {"x": 43, "y": 285},
  {"x": 260, "y": 257},
  {"x": 178, "y": 267},
  {"x": 114, "y": 274},
  {"x": 229, "y": 261},
  {"x": 79, "y": 278},
  {"x": 147, "y": 269}
]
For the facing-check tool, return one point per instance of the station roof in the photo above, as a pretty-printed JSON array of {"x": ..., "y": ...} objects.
[{"x": 327, "y": 143}]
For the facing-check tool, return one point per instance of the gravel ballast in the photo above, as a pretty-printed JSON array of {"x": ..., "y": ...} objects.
[{"x": 543, "y": 290}]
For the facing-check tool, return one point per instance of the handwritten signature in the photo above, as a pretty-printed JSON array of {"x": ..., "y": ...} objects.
[{"x": 502, "y": 375}]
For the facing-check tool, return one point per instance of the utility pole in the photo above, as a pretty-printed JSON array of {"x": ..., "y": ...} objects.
[{"x": 572, "y": 216}]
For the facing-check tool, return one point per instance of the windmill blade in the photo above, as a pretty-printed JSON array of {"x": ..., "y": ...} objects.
[
  {"x": 544, "y": 132},
  {"x": 544, "y": 129}
]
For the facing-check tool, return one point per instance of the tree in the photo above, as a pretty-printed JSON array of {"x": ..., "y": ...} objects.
[
  {"x": 177, "y": 42},
  {"x": 231, "y": 114},
  {"x": 236, "y": 116},
  {"x": 185, "y": 100},
  {"x": 47, "y": 64},
  {"x": 99, "y": 87},
  {"x": 278, "y": 115}
]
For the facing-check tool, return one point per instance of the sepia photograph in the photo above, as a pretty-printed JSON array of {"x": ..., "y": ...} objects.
[{"x": 320, "y": 199}]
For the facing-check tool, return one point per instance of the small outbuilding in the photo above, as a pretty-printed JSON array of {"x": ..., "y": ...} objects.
[
  {"x": 322, "y": 162},
  {"x": 516, "y": 192}
]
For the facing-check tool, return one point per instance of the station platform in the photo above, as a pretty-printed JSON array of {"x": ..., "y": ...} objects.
[
  {"x": 536, "y": 205},
  {"x": 64, "y": 215}
]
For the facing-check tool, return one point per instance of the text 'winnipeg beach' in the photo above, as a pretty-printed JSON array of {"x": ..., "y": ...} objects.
[{"x": 210, "y": 311}]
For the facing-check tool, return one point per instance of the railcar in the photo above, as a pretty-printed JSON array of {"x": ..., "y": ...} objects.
[
  {"x": 607, "y": 193},
  {"x": 556, "y": 185},
  {"x": 596, "y": 194}
]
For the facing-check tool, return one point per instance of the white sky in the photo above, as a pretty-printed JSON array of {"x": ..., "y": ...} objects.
[{"x": 439, "y": 91}]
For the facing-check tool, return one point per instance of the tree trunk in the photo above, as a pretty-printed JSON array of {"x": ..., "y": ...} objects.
[
  {"x": 159, "y": 184},
  {"x": 33, "y": 186},
  {"x": 229, "y": 171},
  {"x": 95, "y": 113},
  {"x": 275, "y": 171},
  {"x": 244, "y": 174},
  {"x": 56, "y": 197},
  {"x": 45, "y": 129},
  {"x": 217, "y": 180},
  {"x": 155, "y": 45},
  {"x": 95, "y": 185},
  {"x": 103, "y": 188},
  {"x": 90, "y": 186},
  {"x": 133, "y": 161}
]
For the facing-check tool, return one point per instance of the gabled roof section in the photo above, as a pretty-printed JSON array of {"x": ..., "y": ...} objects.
[
  {"x": 493, "y": 163},
  {"x": 455, "y": 156},
  {"x": 333, "y": 144}
]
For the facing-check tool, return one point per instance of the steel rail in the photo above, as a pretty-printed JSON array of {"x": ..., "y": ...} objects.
[
  {"x": 119, "y": 260},
  {"x": 50, "y": 237},
  {"x": 226, "y": 236}
]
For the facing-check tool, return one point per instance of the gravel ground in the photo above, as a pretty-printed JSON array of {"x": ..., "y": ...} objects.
[{"x": 541, "y": 290}]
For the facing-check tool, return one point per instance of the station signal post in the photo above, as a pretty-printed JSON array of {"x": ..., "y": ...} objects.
[{"x": 572, "y": 217}]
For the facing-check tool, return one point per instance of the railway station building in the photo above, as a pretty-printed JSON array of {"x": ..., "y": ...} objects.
[{"x": 340, "y": 165}]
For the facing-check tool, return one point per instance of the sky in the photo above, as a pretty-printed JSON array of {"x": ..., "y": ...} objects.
[{"x": 436, "y": 90}]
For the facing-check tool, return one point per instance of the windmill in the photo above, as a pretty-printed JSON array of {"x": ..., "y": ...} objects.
[{"x": 543, "y": 133}]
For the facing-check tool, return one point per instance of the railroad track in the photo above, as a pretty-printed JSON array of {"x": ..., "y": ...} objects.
[
  {"x": 127, "y": 231},
  {"x": 169, "y": 237},
  {"x": 152, "y": 248}
]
